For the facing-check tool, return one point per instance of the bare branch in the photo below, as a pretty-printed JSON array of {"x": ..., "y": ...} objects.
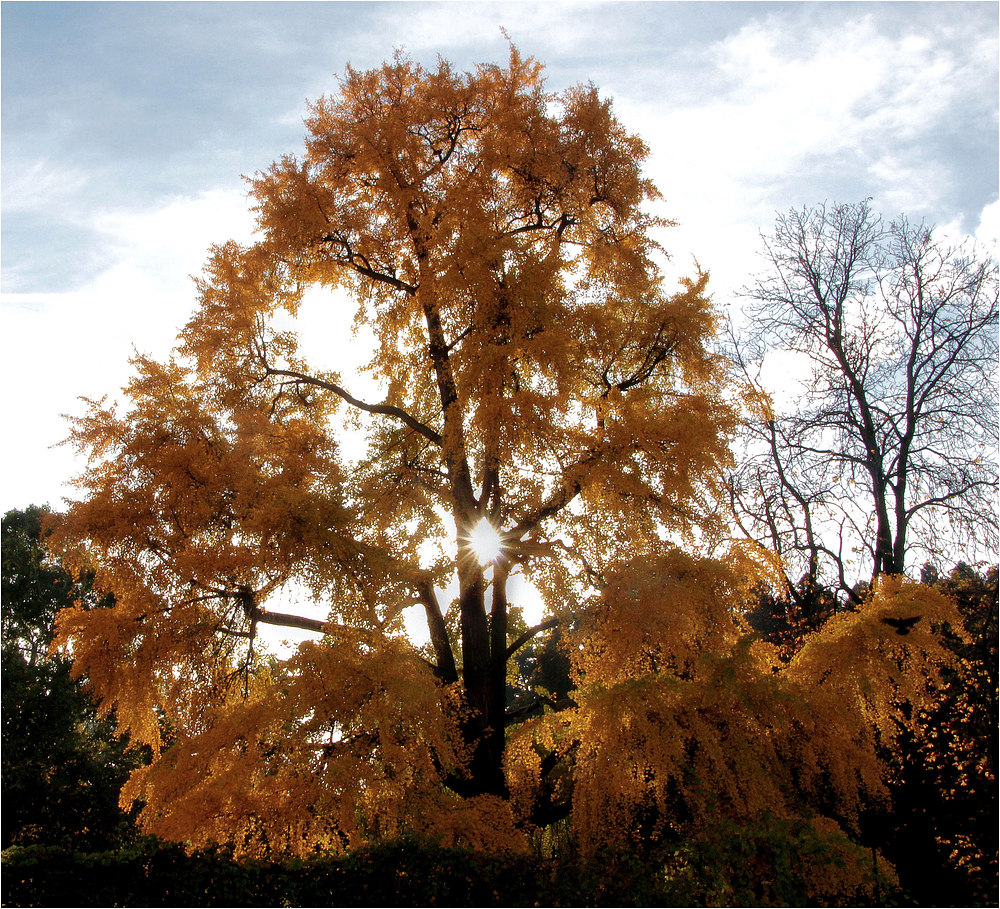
[{"x": 897, "y": 421}]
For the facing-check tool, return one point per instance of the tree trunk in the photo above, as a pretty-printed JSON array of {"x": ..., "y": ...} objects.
[{"x": 483, "y": 728}]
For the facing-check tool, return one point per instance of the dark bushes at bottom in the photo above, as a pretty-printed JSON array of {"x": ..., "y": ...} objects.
[
  {"x": 403, "y": 873},
  {"x": 397, "y": 874}
]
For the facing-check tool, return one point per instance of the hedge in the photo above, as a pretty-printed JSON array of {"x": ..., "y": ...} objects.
[
  {"x": 768, "y": 864},
  {"x": 398, "y": 874}
]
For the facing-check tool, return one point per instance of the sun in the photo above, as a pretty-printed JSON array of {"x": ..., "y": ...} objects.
[{"x": 485, "y": 542}]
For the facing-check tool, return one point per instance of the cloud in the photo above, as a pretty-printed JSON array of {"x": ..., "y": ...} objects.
[
  {"x": 800, "y": 112},
  {"x": 57, "y": 347},
  {"x": 988, "y": 231},
  {"x": 167, "y": 243},
  {"x": 745, "y": 114},
  {"x": 800, "y": 95},
  {"x": 29, "y": 186}
]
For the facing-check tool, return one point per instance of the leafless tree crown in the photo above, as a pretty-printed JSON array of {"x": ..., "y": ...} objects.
[{"x": 886, "y": 451}]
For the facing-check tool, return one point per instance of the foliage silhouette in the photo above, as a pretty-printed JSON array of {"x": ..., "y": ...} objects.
[{"x": 63, "y": 767}]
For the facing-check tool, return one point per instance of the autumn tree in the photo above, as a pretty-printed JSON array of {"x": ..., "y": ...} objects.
[
  {"x": 538, "y": 382},
  {"x": 683, "y": 719},
  {"x": 546, "y": 406},
  {"x": 887, "y": 448}
]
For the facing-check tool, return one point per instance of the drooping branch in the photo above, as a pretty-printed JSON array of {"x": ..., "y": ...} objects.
[
  {"x": 235, "y": 632},
  {"x": 658, "y": 351}
]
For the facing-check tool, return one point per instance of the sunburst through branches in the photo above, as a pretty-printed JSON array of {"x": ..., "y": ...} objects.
[{"x": 485, "y": 542}]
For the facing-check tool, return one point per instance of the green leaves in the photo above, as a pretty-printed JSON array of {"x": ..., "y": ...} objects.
[{"x": 62, "y": 765}]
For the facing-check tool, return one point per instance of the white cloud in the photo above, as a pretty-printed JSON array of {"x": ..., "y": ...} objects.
[
  {"x": 988, "y": 231},
  {"x": 173, "y": 239},
  {"x": 907, "y": 182},
  {"x": 801, "y": 91},
  {"x": 985, "y": 236},
  {"x": 799, "y": 113},
  {"x": 58, "y": 347}
]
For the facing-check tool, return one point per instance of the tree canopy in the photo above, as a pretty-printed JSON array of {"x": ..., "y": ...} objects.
[{"x": 536, "y": 374}]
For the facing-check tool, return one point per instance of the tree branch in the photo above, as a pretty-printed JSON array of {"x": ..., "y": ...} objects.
[
  {"x": 362, "y": 266},
  {"x": 529, "y": 634},
  {"x": 557, "y": 501},
  {"x": 514, "y": 714},
  {"x": 389, "y": 410},
  {"x": 286, "y": 620},
  {"x": 445, "y": 669}
]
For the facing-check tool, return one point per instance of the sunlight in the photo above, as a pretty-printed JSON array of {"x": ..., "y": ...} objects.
[{"x": 485, "y": 542}]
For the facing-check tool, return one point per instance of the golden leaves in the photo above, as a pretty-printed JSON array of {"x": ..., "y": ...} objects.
[
  {"x": 349, "y": 740},
  {"x": 533, "y": 369},
  {"x": 682, "y": 718}
]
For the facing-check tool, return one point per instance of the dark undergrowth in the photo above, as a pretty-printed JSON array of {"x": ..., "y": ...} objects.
[{"x": 731, "y": 870}]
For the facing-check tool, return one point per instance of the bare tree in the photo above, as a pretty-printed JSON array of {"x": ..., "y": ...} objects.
[{"x": 886, "y": 447}]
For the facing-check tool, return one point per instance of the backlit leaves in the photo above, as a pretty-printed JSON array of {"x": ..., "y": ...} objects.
[
  {"x": 682, "y": 718},
  {"x": 530, "y": 369}
]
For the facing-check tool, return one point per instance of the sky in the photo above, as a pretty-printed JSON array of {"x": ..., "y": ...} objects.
[{"x": 127, "y": 127}]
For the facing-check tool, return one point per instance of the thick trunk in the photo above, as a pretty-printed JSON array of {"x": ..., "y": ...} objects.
[
  {"x": 496, "y": 704},
  {"x": 483, "y": 681},
  {"x": 899, "y": 505},
  {"x": 475, "y": 641},
  {"x": 884, "y": 561},
  {"x": 864, "y": 422},
  {"x": 485, "y": 715}
]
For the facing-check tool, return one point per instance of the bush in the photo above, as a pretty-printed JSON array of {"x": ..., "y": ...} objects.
[{"x": 771, "y": 864}]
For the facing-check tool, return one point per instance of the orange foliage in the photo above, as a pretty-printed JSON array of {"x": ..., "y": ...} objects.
[
  {"x": 684, "y": 719},
  {"x": 535, "y": 372}
]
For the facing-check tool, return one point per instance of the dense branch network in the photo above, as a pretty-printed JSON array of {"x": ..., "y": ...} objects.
[{"x": 890, "y": 447}]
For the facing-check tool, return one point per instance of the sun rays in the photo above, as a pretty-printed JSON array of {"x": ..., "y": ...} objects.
[{"x": 485, "y": 542}]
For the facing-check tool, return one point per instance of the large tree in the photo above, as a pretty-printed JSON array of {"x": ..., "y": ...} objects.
[
  {"x": 887, "y": 447},
  {"x": 535, "y": 375},
  {"x": 540, "y": 386}
]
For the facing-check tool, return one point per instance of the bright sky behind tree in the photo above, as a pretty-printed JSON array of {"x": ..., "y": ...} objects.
[{"x": 127, "y": 127}]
